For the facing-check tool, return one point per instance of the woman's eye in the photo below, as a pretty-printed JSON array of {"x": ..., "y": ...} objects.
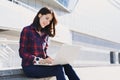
[{"x": 47, "y": 18}]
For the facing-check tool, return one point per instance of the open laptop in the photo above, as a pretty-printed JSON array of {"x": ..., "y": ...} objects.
[{"x": 66, "y": 54}]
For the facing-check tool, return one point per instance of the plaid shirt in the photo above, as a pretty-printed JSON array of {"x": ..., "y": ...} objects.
[{"x": 32, "y": 44}]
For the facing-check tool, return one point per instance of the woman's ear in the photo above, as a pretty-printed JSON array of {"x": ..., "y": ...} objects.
[{"x": 39, "y": 15}]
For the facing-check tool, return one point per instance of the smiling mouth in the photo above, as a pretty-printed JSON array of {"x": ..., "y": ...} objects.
[{"x": 44, "y": 24}]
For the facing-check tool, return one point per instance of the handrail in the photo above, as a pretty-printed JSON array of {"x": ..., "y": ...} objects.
[
  {"x": 115, "y": 3},
  {"x": 7, "y": 56}
]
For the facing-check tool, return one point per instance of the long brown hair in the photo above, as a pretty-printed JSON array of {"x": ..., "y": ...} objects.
[{"x": 49, "y": 29}]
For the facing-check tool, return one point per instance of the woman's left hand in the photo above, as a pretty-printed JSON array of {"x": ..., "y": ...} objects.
[{"x": 48, "y": 60}]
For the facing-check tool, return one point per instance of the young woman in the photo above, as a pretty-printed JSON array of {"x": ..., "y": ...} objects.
[{"x": 33, "y": 46}]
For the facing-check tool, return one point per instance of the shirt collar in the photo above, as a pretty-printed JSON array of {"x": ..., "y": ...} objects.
[{"x": 32, "y": 27}]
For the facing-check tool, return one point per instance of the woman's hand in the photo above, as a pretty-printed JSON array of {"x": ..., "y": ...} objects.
[{"x": 48, "y": 60}]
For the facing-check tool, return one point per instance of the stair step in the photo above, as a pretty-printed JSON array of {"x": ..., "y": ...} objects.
[{"x": 17, "y": 74}]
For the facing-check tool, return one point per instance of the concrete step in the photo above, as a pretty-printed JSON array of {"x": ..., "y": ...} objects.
[{"x": 17, "y": 74}]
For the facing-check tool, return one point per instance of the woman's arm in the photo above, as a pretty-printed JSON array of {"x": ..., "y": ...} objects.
[{"x": 24, "y": 45}]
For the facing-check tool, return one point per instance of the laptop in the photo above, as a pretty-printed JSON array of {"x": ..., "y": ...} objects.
[{"x": 66, "y": 54}]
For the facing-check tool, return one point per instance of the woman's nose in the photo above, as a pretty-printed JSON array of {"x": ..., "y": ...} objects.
[{"x": 47, "y": 22}]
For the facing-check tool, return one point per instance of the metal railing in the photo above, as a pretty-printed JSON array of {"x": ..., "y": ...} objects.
[{"x": 9, "y": 57}]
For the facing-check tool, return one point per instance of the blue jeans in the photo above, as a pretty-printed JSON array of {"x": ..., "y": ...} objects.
[{"x": 40, "y": 71}]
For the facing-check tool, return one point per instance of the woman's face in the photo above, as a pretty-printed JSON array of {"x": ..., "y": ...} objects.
[{"x": 45, "y": 19}]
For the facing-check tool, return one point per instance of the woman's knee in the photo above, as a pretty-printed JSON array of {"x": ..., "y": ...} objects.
[
  {"x": 59, "y": 68},
  {"x": 67, "y": 66}
]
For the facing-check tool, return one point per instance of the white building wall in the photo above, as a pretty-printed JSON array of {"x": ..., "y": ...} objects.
[
  {"x": 99, "y": 18},
  {"x": 14, "y": 16}
]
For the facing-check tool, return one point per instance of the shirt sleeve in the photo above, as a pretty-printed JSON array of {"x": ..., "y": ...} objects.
[
  {"x": 23, "y": 46},
  {"x": 46, "y": 47}
]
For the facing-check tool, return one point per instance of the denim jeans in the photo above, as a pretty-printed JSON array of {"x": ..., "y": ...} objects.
[{"x": 40, "y": 71}]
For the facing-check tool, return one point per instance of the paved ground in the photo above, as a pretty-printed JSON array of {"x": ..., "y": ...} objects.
[{"x": 99, "y": 73}]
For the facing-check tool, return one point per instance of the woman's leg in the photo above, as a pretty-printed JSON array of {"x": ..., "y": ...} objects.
[
  {"x": 70, "y": 72},
  {"x": 44, "y": 71}
]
